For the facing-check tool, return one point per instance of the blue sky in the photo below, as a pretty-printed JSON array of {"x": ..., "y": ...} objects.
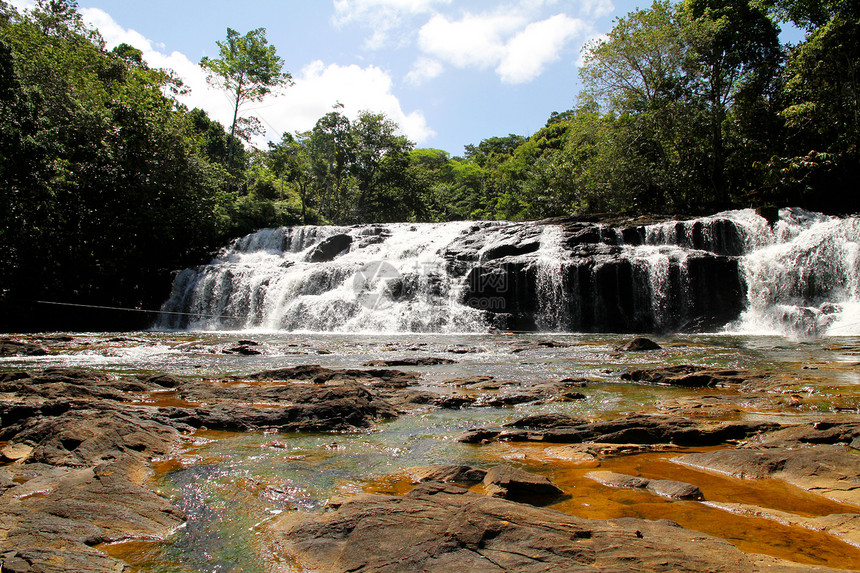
[{"x": 449, "y": 72}]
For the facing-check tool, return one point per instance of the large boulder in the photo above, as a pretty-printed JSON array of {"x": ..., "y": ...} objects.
[{"x": 329, "y": 248}]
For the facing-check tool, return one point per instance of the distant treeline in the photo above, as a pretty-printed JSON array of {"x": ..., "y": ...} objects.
[{"x": 109, "y": 184}]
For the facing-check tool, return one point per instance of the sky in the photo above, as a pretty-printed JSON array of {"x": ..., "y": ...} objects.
[{"x": 448, "y": 72}]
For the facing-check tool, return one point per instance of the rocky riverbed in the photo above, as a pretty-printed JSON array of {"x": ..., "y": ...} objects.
[{"x": 530, "y": 454}]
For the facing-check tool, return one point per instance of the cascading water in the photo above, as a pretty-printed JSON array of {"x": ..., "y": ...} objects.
[
  {"x": 373, "y": 279},
  {"x": 731, "y": 271},
  {"x": 804, "y": 277},
  {"x": 553, "y": 290}
]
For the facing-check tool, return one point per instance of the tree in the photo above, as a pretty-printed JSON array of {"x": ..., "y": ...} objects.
[
  {"x": 735, "y": 46},
  {"x": 290, "y": 161},
  {"x": 651, "y": 140},
  {"x": 248, "y": 69},
  {"x": 821, "y": 109},
  {"x": 104, "y": 187},
  {"x": 681, "y": 78}
]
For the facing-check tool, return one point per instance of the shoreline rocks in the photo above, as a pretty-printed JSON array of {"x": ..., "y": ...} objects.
[
  {"x": 443, "y": 527},
  {"x": 631, "y": 429},
  {"x": 79, "y": 444}
]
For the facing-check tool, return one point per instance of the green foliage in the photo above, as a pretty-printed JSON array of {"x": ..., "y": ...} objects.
[
  {"x": 99, "y": 172},
  {"x": 821, "y": 162},
  {"x": 248, "y": 69}
]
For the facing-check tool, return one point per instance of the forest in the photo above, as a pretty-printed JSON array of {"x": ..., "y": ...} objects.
[{"x": 109, "y": 184}]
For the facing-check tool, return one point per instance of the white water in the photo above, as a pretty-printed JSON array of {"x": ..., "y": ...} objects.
[
  {"x": 263, "y": 281},
  {"x": 802, "y": 277},
  {"x": 553, "y": 290}
]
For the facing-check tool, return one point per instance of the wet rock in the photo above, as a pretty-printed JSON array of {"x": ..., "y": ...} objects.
[
  {"x": 649, "y": 429},
  {"x": 82, "y": 438},
  {"x": 243, "y": 350},
  {"x": 573, "y": 396},
  {"x": 674, "y": 489},
  {"x": 820, "y": 432},
  {"x": 330, "y": 248},
  {"x": 542, "y": 421},
  {"x": 614, "y": 479},
  {"x": 462, "y": 350},
  {"x": 576, "y": 382},
  {"x": 455, "y": 402},
  {"x": 427, "y": 361},
  {"x": 515, "y": 484},
  {"x": 345, "y": 406},
  {"x": 665, "y": 488},
  {"x": 438, "y": 527},
  {"x": 478, "y": 436},
  {"x": 320, "y": 375},
  {"x": 592, "y": 453},
  {"x": 475, "y": 381},
  {"x": 65, "y": 384},
  {"x": 688, "y": 376},
  {"x": 640, "y": 344},
  {"x": 82, "y": 484},
  {"x": 458, "y": 474},
  {"x": 504, "y": 400},
  {"x": 78, "y": 508},
  {"x": 9, "y": 347},
  {"x": 832, "y": 471},
  {"x": 15, "y": 452},
  {"x": 161, "y": 380},
  {"x": 526, "y": 346}
]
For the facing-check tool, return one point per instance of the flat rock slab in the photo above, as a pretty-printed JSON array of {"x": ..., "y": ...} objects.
[
  {"x": 82, "y": 482},
  {"x": 439, "y": 527},
  {"x": 670, "y": 489},
  {"x": 640, "y": 344},
  {"x": 845, "y": 526},
  {"x": 631, "y": 429},
  {"x": 688, "y": 376},
  {"x": 832, "y": 471},
  {"x": 421, "y": 361},
  {"x": 9, "y": 347},
  {"x": 458, "y": 474}
]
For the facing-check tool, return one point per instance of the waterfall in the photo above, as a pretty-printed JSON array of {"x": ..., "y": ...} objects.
[
  {"x": 553, "y": 291},
  {"x": 732, "y": 272},
  {"x": 803, "y": 277}
]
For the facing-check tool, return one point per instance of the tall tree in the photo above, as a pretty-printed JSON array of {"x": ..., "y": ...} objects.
[
  {"x": 735, "y": 45},
  {"x": 248, "y": 69},
  {"x": 821, "y": 108}
]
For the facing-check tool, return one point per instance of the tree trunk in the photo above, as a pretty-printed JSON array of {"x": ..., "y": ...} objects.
[{"x": 232, "y": 141}]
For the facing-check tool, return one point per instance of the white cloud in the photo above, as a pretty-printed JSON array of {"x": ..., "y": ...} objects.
[
  {"x": 348, "y": 10},
  {"x": 22, "y": 5},
  {"x": 518, "y": 48},
  {"x": 529, "y": 52},
  {"x": 597, "y": 8},
  {"x": 473, "y": 41},
  {"x": 316, "y": 89},
  {"x": 424, "y": 69},
  {"x": 381, "y": 16},
  {"x": 319, "y": 86}
]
